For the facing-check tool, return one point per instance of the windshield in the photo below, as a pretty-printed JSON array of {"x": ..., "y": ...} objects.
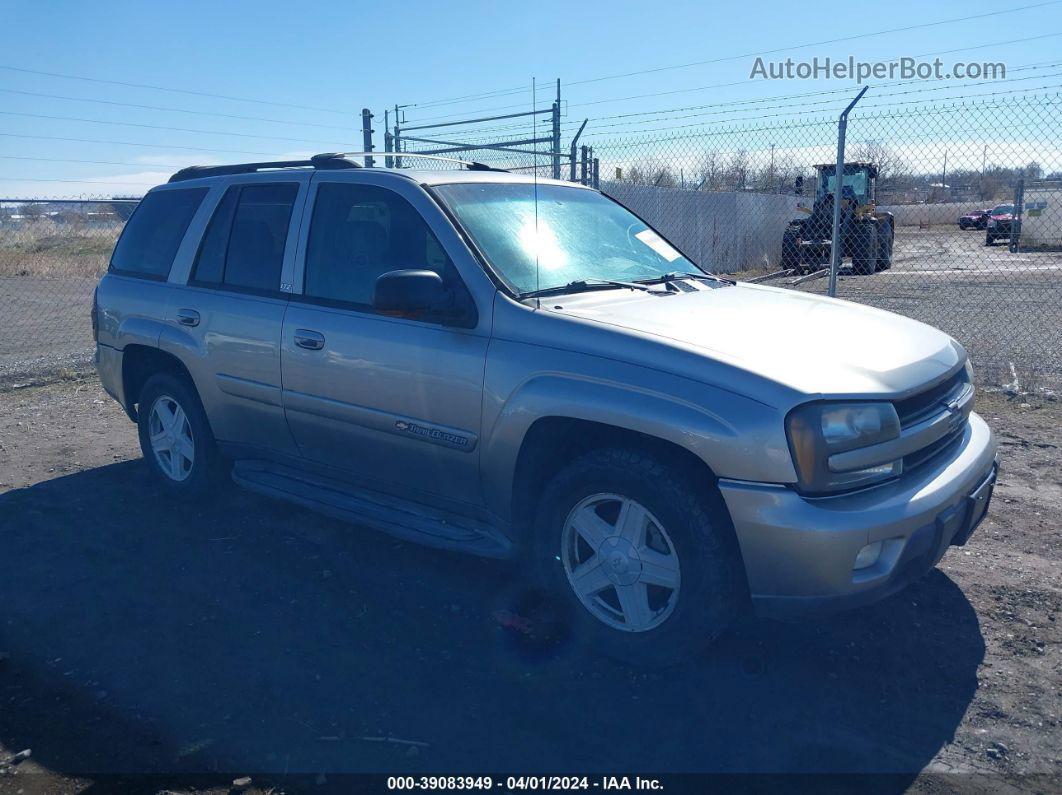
[
  {"x": 1003, "y": 209},
  {"x": 857, "y": 182},
  {"x": 574, "y": 235}
]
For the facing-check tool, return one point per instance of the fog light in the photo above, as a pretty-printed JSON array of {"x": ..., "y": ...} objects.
[{"x": 868, "y": 556}]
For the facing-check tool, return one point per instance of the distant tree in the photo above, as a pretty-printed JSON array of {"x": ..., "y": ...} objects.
[
  {"x": 736, "y": 171},
  {"x": 890, "y": 165}
]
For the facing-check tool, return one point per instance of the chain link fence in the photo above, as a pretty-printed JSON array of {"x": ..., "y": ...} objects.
[
  {"x": 52, "y": 254},
  {"x": 951, "y": 214}
]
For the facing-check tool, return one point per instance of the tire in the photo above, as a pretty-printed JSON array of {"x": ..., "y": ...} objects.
[
  {"x": 186, "y": 462},
  {"x": 790, "y": 252},
  {"x": 685, "y": 531},
  {"x": 990, "y": 240},
  {"x": 886, "y": 238},
  {"x": 865, "y": 253}
]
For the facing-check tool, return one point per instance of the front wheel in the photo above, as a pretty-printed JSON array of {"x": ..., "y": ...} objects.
[
  {"x": 640, "y": 556},
  {"x": 175, "y": 437}
]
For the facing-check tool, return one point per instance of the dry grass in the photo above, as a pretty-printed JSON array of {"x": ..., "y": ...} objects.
[{"x": 56, "y": 250}]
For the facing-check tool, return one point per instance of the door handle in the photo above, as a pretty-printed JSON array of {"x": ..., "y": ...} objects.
[
  {"x": 310, "y": 340},
  {"x": 187, "y": 317}
]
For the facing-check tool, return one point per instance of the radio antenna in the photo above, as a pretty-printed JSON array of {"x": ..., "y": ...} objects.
[{"x": 534, "y": 172}]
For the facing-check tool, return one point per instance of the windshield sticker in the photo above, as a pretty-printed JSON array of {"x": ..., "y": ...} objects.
[{"x": 659, "y": 245}]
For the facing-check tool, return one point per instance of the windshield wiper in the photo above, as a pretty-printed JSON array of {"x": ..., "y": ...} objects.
[
  {"x": 677, "y": 275},
  {"x": 585, "y": 285}
]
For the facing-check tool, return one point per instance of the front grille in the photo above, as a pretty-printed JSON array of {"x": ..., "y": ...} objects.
[
  {"x": 931, "y": 451},
  {"x": 926, "y": 405},
  {"x": 923, "y": 405}
]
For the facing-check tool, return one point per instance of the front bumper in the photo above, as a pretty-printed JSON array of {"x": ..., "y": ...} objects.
[{"x": 799, "y": 552}]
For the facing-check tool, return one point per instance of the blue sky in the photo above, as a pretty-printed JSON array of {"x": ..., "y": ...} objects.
[{"x": 322, "y": 55}]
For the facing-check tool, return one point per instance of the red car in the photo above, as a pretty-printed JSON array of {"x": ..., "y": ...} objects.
[
  {"x": 975, "y": 219},
  {"x": 999, "y": 223}
]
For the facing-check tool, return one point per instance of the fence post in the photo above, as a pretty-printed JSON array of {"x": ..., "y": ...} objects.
[
  {"x": 835, "y": 245},
  {"x": 582, "y": 164},
  {"x": 572, "y": 157},
  {"x": 597, "y": 181},
  {"x": 366, "y": 136}
]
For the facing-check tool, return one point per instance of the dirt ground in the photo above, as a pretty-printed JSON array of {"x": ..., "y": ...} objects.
[{"x": 182, "y": 645}]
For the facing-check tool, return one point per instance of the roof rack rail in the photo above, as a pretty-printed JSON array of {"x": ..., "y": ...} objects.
[
  {"x": 324, "y": 161},
  {"x": 471, "y": 165}
]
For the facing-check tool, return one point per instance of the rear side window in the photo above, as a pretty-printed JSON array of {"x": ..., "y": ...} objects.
[
  {"x": 152, "y": 236},
  {"x": 243, "y": 247}
]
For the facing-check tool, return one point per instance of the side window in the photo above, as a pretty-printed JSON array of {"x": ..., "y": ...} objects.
[
  {"x": 152, "y": 236},
  {"x": 243, "y": 247},
  {"x": 358, "y": 233}
]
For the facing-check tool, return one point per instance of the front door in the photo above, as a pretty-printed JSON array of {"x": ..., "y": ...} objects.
[{"x": 393, "y": 401}]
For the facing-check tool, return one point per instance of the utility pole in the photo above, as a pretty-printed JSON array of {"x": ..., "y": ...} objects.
[
  {"x": 771, "y": 177},
  {"x": 555, "y": 146},
  {"x": 366, "y": 136},
  {"x": 388, "y": 140},
  {"x": 398, "y": 139},
  {"x": 944, "y": 176},
  {"x": 984, "y": 160}
]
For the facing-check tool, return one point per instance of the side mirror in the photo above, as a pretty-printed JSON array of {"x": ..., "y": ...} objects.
[{"x": 410, "y": 291}]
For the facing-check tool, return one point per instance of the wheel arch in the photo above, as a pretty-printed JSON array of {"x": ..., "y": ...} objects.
[
  {"x": 551, "y": 442},
  {"x": 139, "y": 363}
]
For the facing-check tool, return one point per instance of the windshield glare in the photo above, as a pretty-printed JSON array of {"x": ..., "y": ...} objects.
[{"x": 572, "y": 235}]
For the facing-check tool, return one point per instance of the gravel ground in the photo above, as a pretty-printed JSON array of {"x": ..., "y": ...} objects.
[
  {"x": 46, "y": 326},
  {"x": 143, "y": 636}
]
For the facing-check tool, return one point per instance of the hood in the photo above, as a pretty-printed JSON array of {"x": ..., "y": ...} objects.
[{"x": 813, "y": 344}]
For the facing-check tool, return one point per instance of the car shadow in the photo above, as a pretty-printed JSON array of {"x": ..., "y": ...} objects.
[{"x": 246, "y": 635}]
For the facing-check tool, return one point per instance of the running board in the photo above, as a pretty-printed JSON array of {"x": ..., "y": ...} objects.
[{"x": 399, "y": 518}]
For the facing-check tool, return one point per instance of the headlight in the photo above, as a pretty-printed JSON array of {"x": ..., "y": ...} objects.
[
  {"x": 969, "y": 371},
  {"x": 818, "y": 430}
]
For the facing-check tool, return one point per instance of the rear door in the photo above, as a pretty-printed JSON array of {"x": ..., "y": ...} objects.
[
  {"x": 229, "y": 314},
  {"x": 392, "y": 401}
]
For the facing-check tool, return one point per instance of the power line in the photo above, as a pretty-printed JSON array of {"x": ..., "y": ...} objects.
[
  {"x": 668, "y": 113},
  {"x": 825, "y": 120},
  {"x": 75, "y": 181},
  {"x": 904, "y": 29},
  {"x": 775, "y": 51},
  {"x": 656, "y": 94},
  {"x": 134, "y": 143},
  {"x": 171, "y": 90},
  {"x": 171, "y": 129},
  {"x": 173, "y": 110},
  {"x": 68, "y": 160}
]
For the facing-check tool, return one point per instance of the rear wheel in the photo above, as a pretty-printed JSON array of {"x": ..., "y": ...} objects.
[
  {"x": 642, "y": 562},
  {"x": 175, "y": 437},
  {"x": 865, "y": 253},
  {"x": 886, "y": 237},
  {"x": 790, "y": 251}
]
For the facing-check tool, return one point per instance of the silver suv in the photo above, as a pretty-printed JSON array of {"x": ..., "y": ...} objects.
[{"x": 487, "y": 362}]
